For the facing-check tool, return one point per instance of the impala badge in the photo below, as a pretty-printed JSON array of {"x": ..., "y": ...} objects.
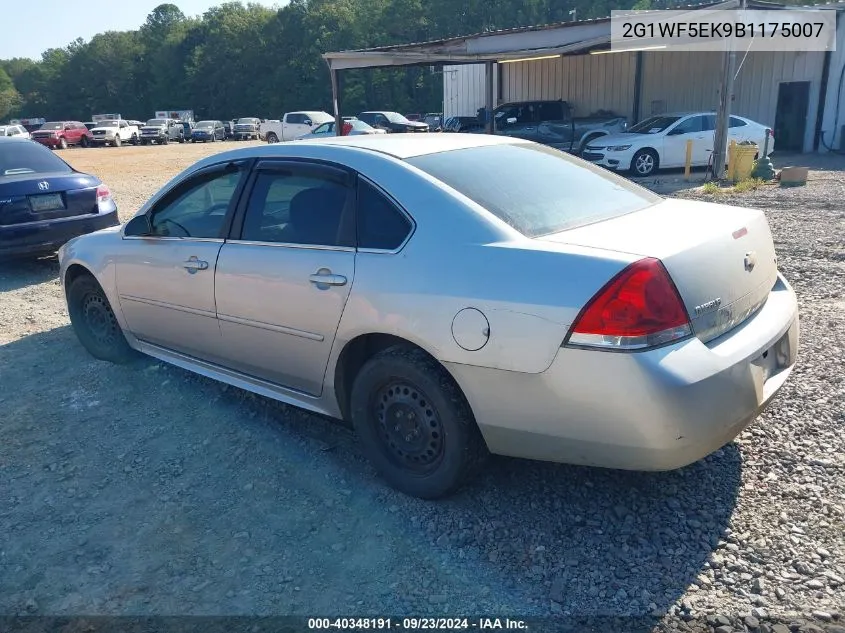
[
  {"x": 707, "y": 307},
  {"x": 750, "y": 260},
  {"x": 43, "y": 185}
]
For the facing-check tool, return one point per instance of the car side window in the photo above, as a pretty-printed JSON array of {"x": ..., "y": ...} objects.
[
  {"x": 325, "y": 128},
  {"x": 296, "y": 118},
  {"x": 552, "y": 111},
  {"x": 381, "y": 119},
  {"x": 381, "y": 225},
  {"x": 689, "y": 126},
  {"x": 709, "y": 123},
  {"x": 736, "y": 122},
  {"x": 197, "y": 208},
  {"x": 287, "y": 207}
]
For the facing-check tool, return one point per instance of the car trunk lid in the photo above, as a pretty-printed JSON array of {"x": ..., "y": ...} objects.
[
  {"x": 721, "y": 258},
  {"x": 33, "y": 198}
]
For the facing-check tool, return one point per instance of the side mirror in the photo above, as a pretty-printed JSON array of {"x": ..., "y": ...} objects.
[
  {"x": 309, "y": 122},
  {"x": 139, "y": 226},
  {"x": 510, "y": 120}
]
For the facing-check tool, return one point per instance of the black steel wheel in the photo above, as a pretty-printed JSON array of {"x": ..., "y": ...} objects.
[
  {"x": 409, "y": 428},
  {"x": 94, "y": 321},
  {"x": 414, "y": 423}
]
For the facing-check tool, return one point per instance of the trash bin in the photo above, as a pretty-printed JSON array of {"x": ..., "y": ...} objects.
[{"x": 741, "y": 161}]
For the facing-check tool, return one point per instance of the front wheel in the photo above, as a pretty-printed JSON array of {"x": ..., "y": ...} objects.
[
  {"x": 94, "y": 322},
  {"x": 83, "y": 142},
  {"x": 165, "y": 140},
  {"x": 644, "y": 163},
  {"x": 414, "y": 423}
]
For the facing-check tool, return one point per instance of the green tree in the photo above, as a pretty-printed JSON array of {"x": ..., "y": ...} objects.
[{"x": 10, "y": 99}]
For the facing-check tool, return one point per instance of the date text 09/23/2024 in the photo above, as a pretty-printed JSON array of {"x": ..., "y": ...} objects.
[{"x": 416, "y": 624}]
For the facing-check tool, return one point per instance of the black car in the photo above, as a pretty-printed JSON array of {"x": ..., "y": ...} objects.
[
  {"x": 229, "y": 126},
  {"x": 44, "y": 202},
  {"x": 189, "y": 130},
  {"x": 463, "y": 124},
  {"x": 206, "y": 131},
  {"x": 392, "y": 122}
]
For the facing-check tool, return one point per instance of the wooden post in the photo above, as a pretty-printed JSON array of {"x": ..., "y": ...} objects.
[
  {"x": 688, "y": 160},
  {"x": 489, "y": 98}
]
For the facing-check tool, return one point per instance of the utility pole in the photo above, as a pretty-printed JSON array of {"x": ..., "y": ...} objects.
[{"x": 720, "y": 144}]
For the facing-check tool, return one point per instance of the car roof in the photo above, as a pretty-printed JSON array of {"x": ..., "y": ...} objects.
[
  {"x": 14, "y": 139},
  {"x": 404, "y": 146}
]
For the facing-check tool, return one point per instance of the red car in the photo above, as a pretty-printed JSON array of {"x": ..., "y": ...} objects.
[{"x": 61, "y": 134}]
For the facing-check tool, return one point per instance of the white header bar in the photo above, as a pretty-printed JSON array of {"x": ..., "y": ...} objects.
[{"x": 723, "y": 29}]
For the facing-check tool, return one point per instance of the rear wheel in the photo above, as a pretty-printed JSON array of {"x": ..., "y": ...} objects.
[
  {"x": 414, "y": 423},
  {"x": 272, "y": 138},
  {"x": 645, "y": 162},
  {"x": 83, "y": 141},
  {"x": 94, "y": 322}
]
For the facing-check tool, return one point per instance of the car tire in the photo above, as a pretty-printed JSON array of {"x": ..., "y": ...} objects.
[
  {"x": 438, "y": 447},
  {"x": 94, "y": 322},
  {"x": 63, "y": 143},
  {"x": 644, "y": 163},
  {"x": 83, "y": 142},
  {"x": 272, "y": 138},
  {"x": 134, "y": 140},
  {"x": 165, "y": 140},
  {"x": 117, "y": 142}
]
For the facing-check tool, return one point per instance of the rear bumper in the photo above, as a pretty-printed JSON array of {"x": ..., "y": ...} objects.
[
  {"x": 655, "y": 410},
  {"x": 37, "y": 238}
]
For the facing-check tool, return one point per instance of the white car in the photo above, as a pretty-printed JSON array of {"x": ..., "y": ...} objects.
[
  {"x": 661, "y": 142},
  {"x": 115, "y": 132},
  {"x": 17, "y": 131},
  {"x": 356, "y": 127},
  {"x": 293, "y": 125}
]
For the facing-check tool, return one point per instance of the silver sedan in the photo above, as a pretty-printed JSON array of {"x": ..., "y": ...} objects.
[{"x": 451, "y": 295}]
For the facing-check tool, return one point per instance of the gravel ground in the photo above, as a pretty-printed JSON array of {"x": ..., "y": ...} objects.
[{"x": 145, "y": 490}]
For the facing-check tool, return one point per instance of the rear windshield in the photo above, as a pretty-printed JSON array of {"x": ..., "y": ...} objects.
[
  {"x": 535, "y": 189},
  {"x": 29, "y": 158}
]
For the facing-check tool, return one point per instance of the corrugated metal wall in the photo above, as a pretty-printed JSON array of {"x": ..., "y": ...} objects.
[
  {"x": 463, "y": 90},
  {"x": 678, "y": 81},
  {"x": 833, "y": 121},
  {"x": 588, "y": 82}
]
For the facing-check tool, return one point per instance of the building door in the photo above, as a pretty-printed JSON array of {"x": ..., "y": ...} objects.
[{"x": 791, "y": 115}]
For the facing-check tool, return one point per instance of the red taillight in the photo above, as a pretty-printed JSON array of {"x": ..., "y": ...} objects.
[
  {"x": 639, "y": 308},
  {"x": 103, "y": 194}
]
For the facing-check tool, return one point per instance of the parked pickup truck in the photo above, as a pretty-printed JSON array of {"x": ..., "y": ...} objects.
[
  {"x": 293, "y": 125},
  {"x": 162, "y": 131},
  {"x": 248, "y": 128},
  {"x": 552, "y": 123},
  {"x": 115, "y": 132}
]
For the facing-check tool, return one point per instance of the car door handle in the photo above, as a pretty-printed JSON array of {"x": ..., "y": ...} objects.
[
  {"x": 193, "y": 264},
  {"x": 321, "y": 278}
]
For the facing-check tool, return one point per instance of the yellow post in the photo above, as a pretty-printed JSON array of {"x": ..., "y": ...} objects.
[
  {"x": 732, "y": 160},
  {"x": 688, "y": 160}
]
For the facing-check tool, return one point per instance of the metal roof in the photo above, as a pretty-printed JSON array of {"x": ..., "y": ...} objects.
[{"x": 562, "y": 38}]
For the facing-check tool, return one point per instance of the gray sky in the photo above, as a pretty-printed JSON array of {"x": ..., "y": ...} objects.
[{"x": 37, "y": 25}]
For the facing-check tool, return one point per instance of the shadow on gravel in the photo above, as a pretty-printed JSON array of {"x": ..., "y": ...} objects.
[
  {"x": 19, "y": 273},
  {"x": 554, "y": 540}
]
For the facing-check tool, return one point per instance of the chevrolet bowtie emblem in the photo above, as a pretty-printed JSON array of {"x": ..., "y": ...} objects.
[{"x": 750, "y": 260}]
